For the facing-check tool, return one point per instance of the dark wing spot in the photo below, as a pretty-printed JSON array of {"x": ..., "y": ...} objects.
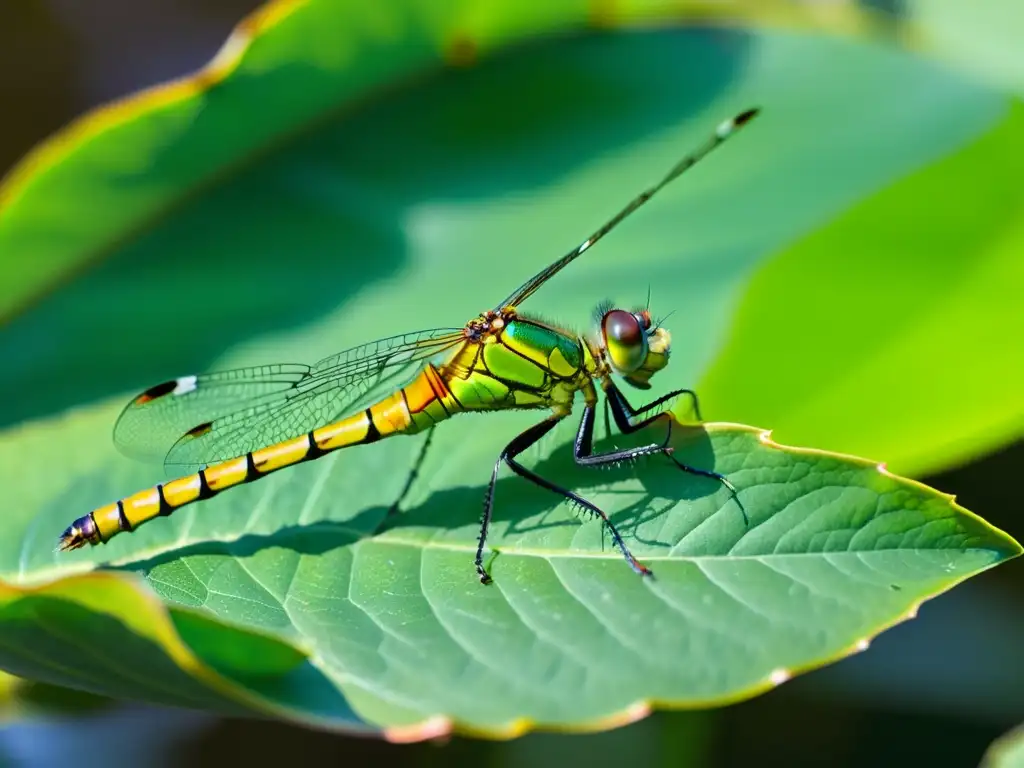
[
  {"x": 200, "y": 429},
  {"x": 745, "y": 117},
  {"x": 158, "y": 391}
]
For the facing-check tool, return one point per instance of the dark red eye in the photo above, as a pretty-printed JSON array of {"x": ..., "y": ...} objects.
[
  {"x": 624, "y": 339},
  {"x": 622, "y": 327}
]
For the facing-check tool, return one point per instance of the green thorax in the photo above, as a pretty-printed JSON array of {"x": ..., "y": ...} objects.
[
  {"x": 524, "y": 363},
  {"x": 558, "y": 352}
]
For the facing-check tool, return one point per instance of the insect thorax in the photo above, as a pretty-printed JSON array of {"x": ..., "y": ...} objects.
[{"x": 515, "y": 362}]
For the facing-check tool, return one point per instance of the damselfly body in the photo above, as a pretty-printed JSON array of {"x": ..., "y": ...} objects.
[{"x": 243, "y": 424}]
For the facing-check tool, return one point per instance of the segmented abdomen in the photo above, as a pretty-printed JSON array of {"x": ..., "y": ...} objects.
[{"x": 419, "y": 405}]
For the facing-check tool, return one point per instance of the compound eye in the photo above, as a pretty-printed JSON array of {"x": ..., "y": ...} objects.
[{"x": 625, "y": 340}]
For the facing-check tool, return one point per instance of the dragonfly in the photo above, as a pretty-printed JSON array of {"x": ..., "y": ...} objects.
[{"x": 244, "y": 424}]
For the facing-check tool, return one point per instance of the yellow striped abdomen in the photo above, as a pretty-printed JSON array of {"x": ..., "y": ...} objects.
[{"x": 422, "y": 403}]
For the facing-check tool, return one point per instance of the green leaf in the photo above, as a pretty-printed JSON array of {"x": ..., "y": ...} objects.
[
  {"x": 893, "y": 320},
  {"x": 1007, "y": 751},
  {"x": 8, "y": 690},
  {"x": 279, "y": 218},
  {"x": 106, "y": 634},
  {"x": 30, "y": 699},
  {"x": 836, "y": 551},
  {"x": 571, "y": 637}
]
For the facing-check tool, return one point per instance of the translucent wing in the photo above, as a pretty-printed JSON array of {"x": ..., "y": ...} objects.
[
  {"x": 723, "y": 132},
  {"x": 198, "y": 420}
]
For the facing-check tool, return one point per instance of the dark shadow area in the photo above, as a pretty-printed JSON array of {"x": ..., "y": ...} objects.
[
  {"x": 987, "y": 488},
  {"x": 65, "y": 636},
  {"x": 44, "y": 638},
  {"x": 773, "y": 730},
  {"x": 314, "y": 539},
  {"x": 307, "y": 227},
  {"x": 895, "y": 9},
  {"x": 844, "y": 734},
  {"x": 64, "y": 702},
  {"x": 524, "y": 506},
  {"x": 67, "y": 639},
  {"x": 275, "y": 743},
  {"x": 37, "y": 60}
]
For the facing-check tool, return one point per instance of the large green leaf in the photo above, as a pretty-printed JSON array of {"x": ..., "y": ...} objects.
[
  {"x": 418, "y": 208},
  {"x": 835, "y": 552}
]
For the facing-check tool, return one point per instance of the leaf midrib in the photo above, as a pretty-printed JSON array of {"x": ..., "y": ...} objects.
[{"x": 554, "y": 553}]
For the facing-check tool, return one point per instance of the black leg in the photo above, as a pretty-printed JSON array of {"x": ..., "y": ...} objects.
[
  {"x": 517, "y": 446},
  {"x": 513, "y": 449},
  {"x": 584, "y": 449},
  {"x": 625, "y": 414}
]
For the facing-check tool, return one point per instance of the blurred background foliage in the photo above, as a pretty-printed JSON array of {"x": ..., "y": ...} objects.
[{"x": 934, "y": 689}]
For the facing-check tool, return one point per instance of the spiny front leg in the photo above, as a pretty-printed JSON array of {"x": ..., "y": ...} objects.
[
  {"x": 627, "y": 425},
  {"x": 624, "y": 415},
  {"x": 584, "y": 448},
  {"x": 508, "y": 456},
  {"x": 585, "y": 456}
]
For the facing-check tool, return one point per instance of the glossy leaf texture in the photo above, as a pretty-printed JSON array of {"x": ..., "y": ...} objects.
[{"x": 327, "y": 220}]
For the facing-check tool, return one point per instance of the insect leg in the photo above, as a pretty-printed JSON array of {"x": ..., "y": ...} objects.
[
  {"x": 625, "y": 414},
  {"x": 517, "y": 446},
  {"x": 513, "y": 449},
  {"x": 584, "y": 448}
]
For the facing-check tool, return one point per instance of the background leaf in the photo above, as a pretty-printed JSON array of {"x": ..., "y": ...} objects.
[
  {"x": 101, "y": 633},
  {"x": 894, "y": 322},
  {"x": 1007, "y": 752},
  {"x": 980, "y": 39}
]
